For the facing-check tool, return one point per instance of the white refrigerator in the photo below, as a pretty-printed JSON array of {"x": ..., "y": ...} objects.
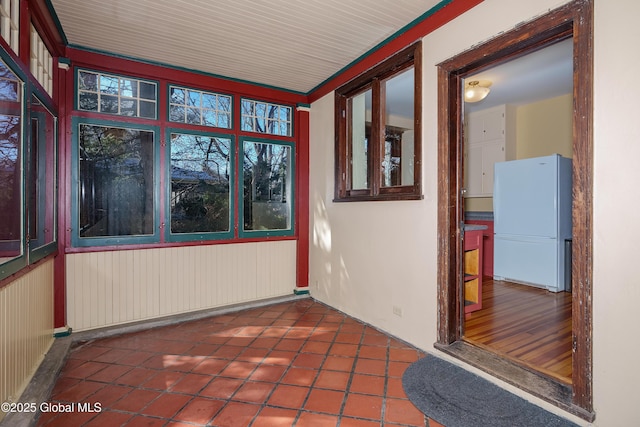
[{"x": 532, "y": 221}]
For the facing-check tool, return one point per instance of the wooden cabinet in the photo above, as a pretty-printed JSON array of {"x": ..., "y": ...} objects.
[
  {"x": 490, "y": 138},
  {"x": 473, "y": 270}
]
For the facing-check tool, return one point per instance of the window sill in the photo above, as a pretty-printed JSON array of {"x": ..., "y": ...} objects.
[{"x": 379, "y": 198}]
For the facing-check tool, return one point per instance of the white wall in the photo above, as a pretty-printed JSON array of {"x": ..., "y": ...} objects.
[
  {"x": 617, "y": 175},
  {"x": 367, "y": 257}
]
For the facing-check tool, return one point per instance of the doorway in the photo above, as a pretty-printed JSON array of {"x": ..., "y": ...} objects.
[
  {"x": 573, "y": 20},
  {"x": 523, "y": 128}
]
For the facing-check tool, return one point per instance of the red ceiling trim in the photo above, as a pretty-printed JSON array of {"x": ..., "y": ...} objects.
[
  {"x": 429, "y": 24},
  {"x": 89, "y": 59}
]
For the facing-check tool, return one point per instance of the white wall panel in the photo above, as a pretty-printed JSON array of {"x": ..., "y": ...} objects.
[
  {"x": 26, "y": 328},
  {"x": 109, "y": 288}
]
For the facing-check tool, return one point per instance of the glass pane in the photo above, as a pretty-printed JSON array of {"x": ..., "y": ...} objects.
[
  {"x": 42, "y": 176},
  {"x": 129, "y": 88},
  {"x": 148, "y": 109},
  {"x": 147, "y": 91},
  {"x": 261, "y": 109},
  {"x": 88, "y": 101},
  {"x": 247, "y": 123},
  {"x": 129, "y": 107},
  {"x": 209, "y": 101},
  {"x": 193, "y": 115},
  {"x": 267, "y": 186},
  {"x": 397, "y": 163},
  {"x": 87, "y": 81},
  {"x": 109, "y": 104},
  {"x": 224, "y": 120},
  {"x": 116, "y": 181},
  {"x": 360, "y": 116},
  {"x": 176, "y": 113},
  {"x": 200, "y": 185},
  {"x": 11, "y": 206},
  {"x": 193, "y": 98},
  {"x": 209, "y": 118},
  {"x": 224, "y": 103},
  {"x": 109, "y": 84},
  {"x": 177, "y": 95}
]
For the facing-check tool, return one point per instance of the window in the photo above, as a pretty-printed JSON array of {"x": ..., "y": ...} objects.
[
  {"x": 42, "y": 182},
  {"x": 130, "y": 186},
  {"x": 11, "y": 179},
  {"x": 199, "y": 108},
  {"x": 264, "y": 117},
  {"x": 378, "y": 133},
  {"x": 41, "y": 62},
  {"x": 200, "y": 193},
  {"x": 10, "y": 23},
  {"x": 267, "y": 188},
  {"x": 123, "y": 96},
  {"x": 28, "y": 175},
  {"x": 116, "y": 191}
]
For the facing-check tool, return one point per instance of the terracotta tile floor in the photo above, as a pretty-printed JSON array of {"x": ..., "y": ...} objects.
[{"x": 295, "y": 363}]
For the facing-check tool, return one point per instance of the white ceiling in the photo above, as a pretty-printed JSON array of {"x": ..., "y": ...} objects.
[
  {"x": 543, "y": 74},
  {"x": 293, "y": 45}
]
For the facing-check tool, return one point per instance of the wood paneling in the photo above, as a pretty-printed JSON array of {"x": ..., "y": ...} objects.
[
  {"x": 26, "y": 328},
  {"x": 109, "y": 288},
  {"x": 528, "y": 325}
]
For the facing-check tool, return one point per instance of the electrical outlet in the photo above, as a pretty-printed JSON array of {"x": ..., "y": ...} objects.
[{"x": 397, "y": 311}]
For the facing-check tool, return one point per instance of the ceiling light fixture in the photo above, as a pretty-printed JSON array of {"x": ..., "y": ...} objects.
[{"x": 476, "y": 90}]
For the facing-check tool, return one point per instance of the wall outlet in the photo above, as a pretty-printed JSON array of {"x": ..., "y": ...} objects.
[{"x": 397, "y": 311}]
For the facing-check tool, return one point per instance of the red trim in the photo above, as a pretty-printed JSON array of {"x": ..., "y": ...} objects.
[
  {"x": 431, "y": 23},
  {"x": 24, "y": 36},
  {"x": 64, "y": 80},
  {"x": 113, "y": 64},
  {"x": 302, "y": 198}
]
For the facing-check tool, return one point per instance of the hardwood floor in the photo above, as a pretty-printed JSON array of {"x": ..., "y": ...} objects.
[{"x": 528, "y": 325}]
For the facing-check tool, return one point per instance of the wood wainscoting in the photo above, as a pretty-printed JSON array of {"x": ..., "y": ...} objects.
[{"x": 528, "y": 325}]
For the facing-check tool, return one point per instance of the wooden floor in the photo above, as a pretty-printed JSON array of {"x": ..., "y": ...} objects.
[{"x": 525, "y": 324}]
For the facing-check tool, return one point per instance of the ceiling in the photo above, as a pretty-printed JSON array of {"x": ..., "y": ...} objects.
[
  {"x": 543, "y": 74},
  {"x": 292, "y": 45}
]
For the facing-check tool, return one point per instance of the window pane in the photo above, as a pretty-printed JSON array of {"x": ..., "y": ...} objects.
[
  {"x": 148, "y": 109},
  {"x": 10, "y": 171},
  {"x": 193, "y": 116},
  {"x": 176, "y": 113},
  {"x": 193, "y": 98},
  {"x": 109, "y": 104},
  {"x": 177, "y": 95},
  {"x": 116, "y": 181},
  {"x": 105, "y": 93},
  {"x": 129, "y": 88},
  {"x": 397, "y": 163},
  {"x": 87, "y": 81},
  {"x": 147, "y": 91},
  {"x": 360, "y": 115},
  {"x": 198, "y": 108},
  {"x": 267, "y": 186},
  {"x": 88, "y": 101},
  {"x": 128, "y": 107},
  {"x": 109, "y": 84},
  {"x": 209, "y": 118},
  {"x": 262, "y": 117},
  {"x": 224, "y": 120},
  {"x": 42, "y": 176},
  {"x": 200, "y": 185}
]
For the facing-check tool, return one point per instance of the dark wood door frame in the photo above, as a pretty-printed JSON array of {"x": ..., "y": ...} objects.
[{"x": 573, "y": 20}]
